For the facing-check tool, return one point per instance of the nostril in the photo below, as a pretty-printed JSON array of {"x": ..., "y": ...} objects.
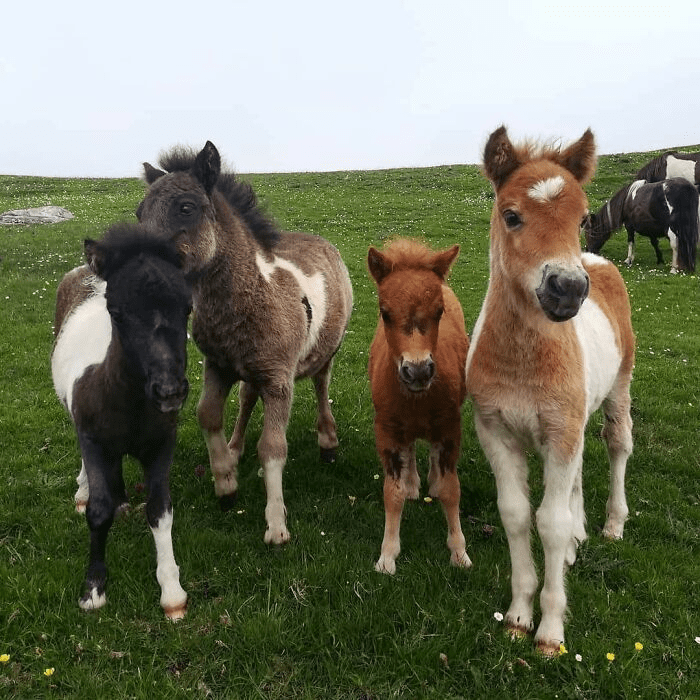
[
  {"x": 430, "y": 368},
  {"x": 554, "y": 285},
  {"x": 406, "y": 372}
]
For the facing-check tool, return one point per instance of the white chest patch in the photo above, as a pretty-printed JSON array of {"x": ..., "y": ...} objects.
[
  {"x": 547, "y": 190},
  {"x": 313, "y": 288},
  {"x": 83, "y": 341},
  {"x": 601, "y": 356}
]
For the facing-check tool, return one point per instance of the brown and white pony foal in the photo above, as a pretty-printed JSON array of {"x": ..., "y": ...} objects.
[
  {"x": 416, "y": 369},
  {"x": 553, "y": 341},
  {"x": 269, "y": 307},
  {"x": 118, "y": 366}
]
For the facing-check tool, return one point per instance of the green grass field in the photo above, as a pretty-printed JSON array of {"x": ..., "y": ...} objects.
[{"x": 313, "y": 620}]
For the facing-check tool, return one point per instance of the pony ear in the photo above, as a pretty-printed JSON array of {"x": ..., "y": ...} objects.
[
  {"x": 379, "y": 265},
  {"x": 500, "y": 159},
  {"x": 151, "y": 174},
  {"x": 442, "y": 262},
  {"x": 579, "y": 158},
  {"x": 207, "y": 166},
  {"x": 95, "y": 256}
]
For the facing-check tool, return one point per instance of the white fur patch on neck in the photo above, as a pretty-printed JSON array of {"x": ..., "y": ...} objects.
[{"x": 547, "y": 190}]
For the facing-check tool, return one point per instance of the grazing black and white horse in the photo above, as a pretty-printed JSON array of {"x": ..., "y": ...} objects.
[
  {"x": 118, "y": 366},
  {"x": 670, "y": 165},
  {"x": 667, "y": 209}
]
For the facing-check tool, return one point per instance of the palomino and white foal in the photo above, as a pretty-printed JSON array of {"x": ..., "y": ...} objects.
[{"x": 552, "y": 343}]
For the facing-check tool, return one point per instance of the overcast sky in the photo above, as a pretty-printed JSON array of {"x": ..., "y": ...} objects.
[{"x": 94, "y": 89}]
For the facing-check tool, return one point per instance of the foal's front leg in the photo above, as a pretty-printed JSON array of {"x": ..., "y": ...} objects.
[
  {"x": 159, "y": 513},
  {"x": 509, "y": 467},
  {"x": 400, "y": 482},
  {"x": 210, "y": 412},
  {"x": 103, "y": 471},
  {"x": 272, "y": 450},
  {"x": 444, "y": 485},
  {"x": 555, "y": 524}
]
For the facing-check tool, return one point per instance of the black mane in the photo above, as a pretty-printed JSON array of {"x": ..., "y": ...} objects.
[
  {"x": 655, "y": 169},
  {"x": 240, "y": 195},
  {"x": 127, "y": 241}
]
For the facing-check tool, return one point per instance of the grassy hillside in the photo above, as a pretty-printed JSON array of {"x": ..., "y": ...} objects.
[{"x": 313, "y": 620}]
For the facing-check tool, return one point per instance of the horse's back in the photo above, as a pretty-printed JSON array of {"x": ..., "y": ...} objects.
[
  {"x": 313, "y": 255},
  {"x": 83, "y": 330},
  {"x": 75, "y": 288}
]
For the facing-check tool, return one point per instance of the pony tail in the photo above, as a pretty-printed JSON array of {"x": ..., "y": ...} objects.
[{"x": 684, "y": 223}]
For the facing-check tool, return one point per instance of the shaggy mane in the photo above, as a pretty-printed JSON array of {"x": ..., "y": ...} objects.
[
  {"x": 408, "y": 254},
  {"x": 240, "y": 195},
  {"x": 130, "y": 240}
]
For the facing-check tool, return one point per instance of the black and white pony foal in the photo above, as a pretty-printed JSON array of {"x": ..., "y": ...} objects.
[{"x": 118, "y": 366}]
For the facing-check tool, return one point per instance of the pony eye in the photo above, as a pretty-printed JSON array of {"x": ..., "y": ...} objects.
[
  {"x": 186, "y": 208},
  {"x": 439, "y": 313},
  {"x": 511, "y": 218},
  {"x": 385, "y": 316}
]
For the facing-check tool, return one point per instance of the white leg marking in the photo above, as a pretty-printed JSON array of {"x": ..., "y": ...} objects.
[
  {"x": 673, "y": 239},
  {"x": 94, "y": 602},
  {"x": 83, "y": 492},
  {"x": 509, "y": 466},
  {"x": 173, "y": 598},
  {"x": 275, "y": 510},
  {"x": 555, "y": 524}
]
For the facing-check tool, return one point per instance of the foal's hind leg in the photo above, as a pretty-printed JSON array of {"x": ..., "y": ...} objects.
[
  {"x": 247, "y": 398},
  {"x": 444, "y": 484},
  {"x": 673, "y": 240},
  {"x": 657, "y": 250},
  {"x": 210, "y": 412},
  {"x": 630, "y": 247},
  {"x": 83, "y": 493},
  {"x": 618, "y": 436},
  {"x": 327, "y": 437}
]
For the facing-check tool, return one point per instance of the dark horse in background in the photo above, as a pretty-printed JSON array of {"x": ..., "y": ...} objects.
[
  {"x": 118, "y": 366},
  {"x": 670, "y": 165},
  {"x": 667, "y": 209}
]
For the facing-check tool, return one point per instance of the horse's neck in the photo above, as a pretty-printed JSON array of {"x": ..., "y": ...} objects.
[{"x": 117, "y": 372}]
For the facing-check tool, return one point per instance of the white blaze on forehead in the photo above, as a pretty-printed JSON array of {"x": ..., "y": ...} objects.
[
  {"x": 547, "y": 190},
  {"x": 83, "y": 341},
  {"x": 313, "y": 288}
]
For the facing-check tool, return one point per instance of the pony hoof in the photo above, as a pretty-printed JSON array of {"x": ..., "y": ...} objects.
[
  {"x": 176, "y": 613},
  {"x": 80, "y": 506},
  {"x": 328, "y": 454},
  {"x": 516, "y": 632},
  {"x": 277, "y": 537},
  {"x": 461, "y": 560},
  {"x": 385, "y": 566},
  {"x": 93, "y": 599},
  {"x": 549, "y": 650},
  {"x": 228, "y": 501}
]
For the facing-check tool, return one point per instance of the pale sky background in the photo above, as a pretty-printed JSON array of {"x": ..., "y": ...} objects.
[{"x": 93, "y": 89}]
